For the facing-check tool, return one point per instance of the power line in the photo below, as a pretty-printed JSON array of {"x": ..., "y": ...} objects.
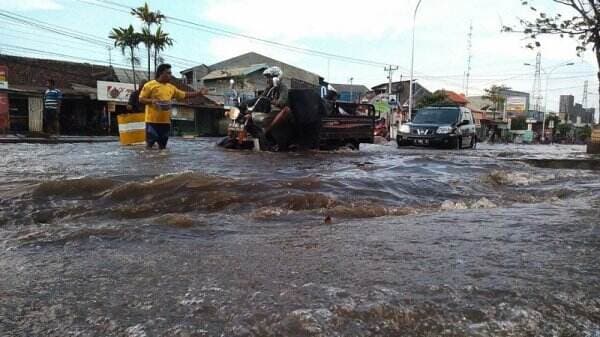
[
  {"x": 84, "y": 37},
  {"x": 44, "y": 52},
  {"x": 227, "y": 33}
]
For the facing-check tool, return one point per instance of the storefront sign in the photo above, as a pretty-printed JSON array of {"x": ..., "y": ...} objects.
[
  {"x": 516, "y": 104},
  {"x": 114, "y": 91},
  {"x": 3, "y": 77}
]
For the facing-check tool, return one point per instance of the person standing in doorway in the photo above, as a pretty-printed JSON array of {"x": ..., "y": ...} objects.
[
  {"x": 157, "y": 96},
  {"x": 52, "y": 104}
]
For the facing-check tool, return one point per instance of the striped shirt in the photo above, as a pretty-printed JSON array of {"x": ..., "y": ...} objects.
[{"x": 52, "y": 98}]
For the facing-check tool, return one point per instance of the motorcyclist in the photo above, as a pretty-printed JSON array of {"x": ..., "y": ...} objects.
[
  {"x": 331, "y": 99},
  {"x": 278, "y": 95}
]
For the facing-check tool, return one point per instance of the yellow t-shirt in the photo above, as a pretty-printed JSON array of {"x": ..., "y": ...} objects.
[{"x": 163, "y": 92}]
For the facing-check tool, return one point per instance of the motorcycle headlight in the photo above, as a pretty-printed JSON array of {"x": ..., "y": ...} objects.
[
  {"x": 233, "y": 113},
  {"x": 444, "y": 130},
  {"x": 404, "y": 128}
]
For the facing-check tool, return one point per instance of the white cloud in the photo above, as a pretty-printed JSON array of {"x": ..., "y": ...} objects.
[
  {"x": 27, "y": 5},
  {"x": 314, "y": 18},
  {"x": 382, "y": 32}
]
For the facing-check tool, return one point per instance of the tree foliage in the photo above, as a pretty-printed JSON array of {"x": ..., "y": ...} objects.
[
  {"x": 495, "y": 93},
  {"x": 127, "y": 40},
  {"x": 158, "y": 40},
  {"x": 437, "y": 98},
  {"x": 581, "y": 25}
]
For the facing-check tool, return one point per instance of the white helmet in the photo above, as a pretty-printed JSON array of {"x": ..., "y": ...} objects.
[{"x": 273, "y": 72}]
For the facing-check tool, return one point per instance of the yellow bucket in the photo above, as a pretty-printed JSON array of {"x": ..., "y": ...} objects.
[{"x": 132, "y": 128}]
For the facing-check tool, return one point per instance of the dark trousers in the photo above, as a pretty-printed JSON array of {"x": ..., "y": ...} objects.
[
  {"x": 157, "y": 133},
  {"x": 50, "y": 121}
]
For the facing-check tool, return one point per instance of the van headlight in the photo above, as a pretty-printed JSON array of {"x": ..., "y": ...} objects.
[
  {"x": 444, "y": 130},
  {"x": 404, "y": 128}
]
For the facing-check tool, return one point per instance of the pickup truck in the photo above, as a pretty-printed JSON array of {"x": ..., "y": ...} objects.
[{"x": 316, "y": 124}]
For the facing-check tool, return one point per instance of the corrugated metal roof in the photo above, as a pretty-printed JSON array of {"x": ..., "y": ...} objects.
[
  {"x": 357, "y": 88},
  {"x": 126, "y": 75},
  {"x": 234, "y": 72}
]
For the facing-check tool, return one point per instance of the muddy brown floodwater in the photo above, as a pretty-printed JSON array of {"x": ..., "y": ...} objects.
[{"x": 98, "y": 240}]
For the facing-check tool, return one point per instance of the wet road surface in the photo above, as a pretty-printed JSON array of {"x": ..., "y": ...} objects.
[{"x": 98, "y": 240}]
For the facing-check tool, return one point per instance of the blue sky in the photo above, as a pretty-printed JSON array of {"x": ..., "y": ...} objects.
[{"x": 380, "y": 32}]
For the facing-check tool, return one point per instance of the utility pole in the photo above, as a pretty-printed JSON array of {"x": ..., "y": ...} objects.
[
  {"x": 412, "y": 63},
  {"x": 351, "y": 90},
  {"x": 584, "y": 99},
  {"x": 469, "y": 58},
  {"x": 537, "y": 83},
  {"x": 109, "y": 56},
  {"x": 390, "y": 70}
]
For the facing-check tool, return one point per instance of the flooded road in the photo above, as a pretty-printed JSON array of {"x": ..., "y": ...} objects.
[{"x": 98, "y": 240}]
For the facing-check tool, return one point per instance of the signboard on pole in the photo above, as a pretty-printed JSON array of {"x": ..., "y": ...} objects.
[
  {"x": 114, "y": 91},
  {"x": 3, "y": 77},
  {"x": 516, "y": 104}
]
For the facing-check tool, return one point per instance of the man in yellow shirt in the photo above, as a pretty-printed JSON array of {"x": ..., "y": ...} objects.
[{"x": 157, "y": 96}]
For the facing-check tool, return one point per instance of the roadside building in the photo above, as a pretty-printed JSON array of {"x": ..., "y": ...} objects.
[
  {"x": 81, "y": 112},
  {"x": 490, "y": 123},
  {"x": 350, "y": 92},
  {"x": 93, "y": 95},
  {"x": 566, "y": 106},
  {"x": 246, "y": 70},
  {"x": 400, "y": 92}
]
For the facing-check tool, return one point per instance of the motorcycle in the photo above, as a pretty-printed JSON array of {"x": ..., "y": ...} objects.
[{"x": 247, "y": 122}]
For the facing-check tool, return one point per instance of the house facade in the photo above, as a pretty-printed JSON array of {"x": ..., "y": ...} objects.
[
  {"x": 246, "y": 69},
  {"x": 93, "y": 95}
]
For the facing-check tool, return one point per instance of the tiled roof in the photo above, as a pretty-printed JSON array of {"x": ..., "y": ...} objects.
[{"x": 456, "y": 98}]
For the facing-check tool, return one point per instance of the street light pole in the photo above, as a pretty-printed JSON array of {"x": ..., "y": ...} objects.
[
  {"x": 351, "y": 90},
  {"x": 548, "y": 73},
  {"x": 412, "y": 64}
]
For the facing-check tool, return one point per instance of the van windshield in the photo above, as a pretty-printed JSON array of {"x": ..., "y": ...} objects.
[{"x": 437, "y": 116}]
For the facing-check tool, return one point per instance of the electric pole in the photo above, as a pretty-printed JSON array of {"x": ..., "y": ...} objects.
[
  {"x": 390, "y": 70},
  {"x": 584, "y": 99},
  {"x": 537, "y": 83},
  {"x": 469, "y": 58},
  {"x": 110, "y": 56}
]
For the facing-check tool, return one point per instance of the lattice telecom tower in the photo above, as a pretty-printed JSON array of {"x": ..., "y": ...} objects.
[{"x": 537, "y": 83}]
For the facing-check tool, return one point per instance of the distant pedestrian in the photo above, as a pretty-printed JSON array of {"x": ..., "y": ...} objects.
[
  {"x": 157, "y": 96},
  {"x": 52, "y": 104}
]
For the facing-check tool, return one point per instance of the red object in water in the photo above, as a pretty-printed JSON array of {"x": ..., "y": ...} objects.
[
  {"x": 381, "y": 129},
  {"x": 3, "y": 111}
]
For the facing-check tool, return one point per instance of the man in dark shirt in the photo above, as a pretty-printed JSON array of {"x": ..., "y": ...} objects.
[
  {"x": 52, "y": 104},
  {"x": 134, "y": 105}
]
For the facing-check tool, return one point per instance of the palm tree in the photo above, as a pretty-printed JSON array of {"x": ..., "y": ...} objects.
[
  {"x": 149, "y": 18},
  {"x": 127, "y": 40},
  {"x": 161, "y": 41}
]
